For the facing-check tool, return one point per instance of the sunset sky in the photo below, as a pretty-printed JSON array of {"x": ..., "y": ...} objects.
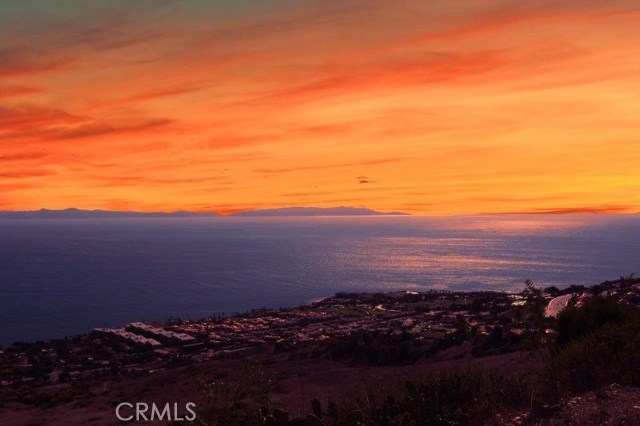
[{"x": 428, "y": 107}]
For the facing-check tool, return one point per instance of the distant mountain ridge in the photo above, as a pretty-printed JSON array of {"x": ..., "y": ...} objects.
[
  {"x": 317, "y": 211},
  {"x": 73, "y": 213}
]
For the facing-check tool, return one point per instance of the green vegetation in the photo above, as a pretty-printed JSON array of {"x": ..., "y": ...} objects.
[
  {"x": 597, "y": 344},
  {"x": 39, "y": 399},
  {"x": 575, "y": 322},
  {"x": 605, "y": 350}
]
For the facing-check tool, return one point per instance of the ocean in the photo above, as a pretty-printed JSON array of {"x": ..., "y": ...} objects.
[{"x": 65, "y": 276}]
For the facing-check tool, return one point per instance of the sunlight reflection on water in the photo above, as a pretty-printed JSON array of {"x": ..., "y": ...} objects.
[{"x": 63, "y": 277}]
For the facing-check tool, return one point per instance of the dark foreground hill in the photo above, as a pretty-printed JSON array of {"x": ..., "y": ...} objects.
[{"x": 403, "y": 358}]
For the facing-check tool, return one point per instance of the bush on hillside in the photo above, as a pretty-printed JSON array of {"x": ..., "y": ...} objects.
[{"x": 574, "y": 322}]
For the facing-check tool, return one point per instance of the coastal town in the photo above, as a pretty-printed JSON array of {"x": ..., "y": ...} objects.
[
  {"x": 430, "y": 321},
  {"x": 144, "y": 348}
]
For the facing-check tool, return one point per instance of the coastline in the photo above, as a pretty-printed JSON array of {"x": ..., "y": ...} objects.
[
  {"x": 92, "y": 273},
  {"x": 550, "y": 293},
  {"x": 325, "y": 347}
]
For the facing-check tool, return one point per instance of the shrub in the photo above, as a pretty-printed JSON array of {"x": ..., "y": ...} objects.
[
  {"x": 608, "y": 354},
  {"x": 574, "y": 322}
]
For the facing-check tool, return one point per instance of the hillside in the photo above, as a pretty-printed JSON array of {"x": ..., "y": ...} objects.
[{"x": 381, "y": 359}]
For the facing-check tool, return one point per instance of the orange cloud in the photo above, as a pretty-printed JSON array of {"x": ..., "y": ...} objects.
[
  {"x": 195, "y": 105},
  {"x": 606, "y": 209}
]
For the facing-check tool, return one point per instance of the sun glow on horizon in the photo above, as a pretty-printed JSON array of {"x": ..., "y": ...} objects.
[{"x": 442, "y": 107}]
